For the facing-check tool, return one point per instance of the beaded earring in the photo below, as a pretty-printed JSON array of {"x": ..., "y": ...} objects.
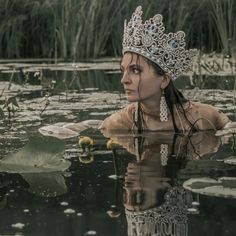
[
  {"x": 163, "y": 108},
  {"x": 164, "y": 154}
]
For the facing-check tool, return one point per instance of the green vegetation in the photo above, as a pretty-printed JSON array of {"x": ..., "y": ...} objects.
[
  {"x": 10, "y": 106},
  {"x": 80, "y": 29}
]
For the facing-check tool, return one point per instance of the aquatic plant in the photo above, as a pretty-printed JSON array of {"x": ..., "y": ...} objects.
[
  {"x": 10, "y": 106},
  {"x": 86, "y": 158},
  {"x": 224, "y": 17},
  {"x": 46, "y": 101},
  {"x": 79, "y": 29},
  {"x": 112, "y": 144},
  {"x": 86, "y": 143},
  {"x": 40, "y": 155}
]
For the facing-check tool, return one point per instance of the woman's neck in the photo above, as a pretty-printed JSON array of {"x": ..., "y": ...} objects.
[{"x": 151, "y": 106}]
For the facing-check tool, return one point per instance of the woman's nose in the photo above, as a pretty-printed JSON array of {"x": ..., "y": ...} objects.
[{"x": 125, "y": 78}]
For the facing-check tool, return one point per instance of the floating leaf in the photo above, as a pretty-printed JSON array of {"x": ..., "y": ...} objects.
[
  {"x": 46, "y": 184},
  {"x": 222, "y": 132},
  {"x": 58, "y": 132},
  {"x": 223, "y": 187},
  {"x": 230, "y": 160},
  {"x": 41, "y": 154}
]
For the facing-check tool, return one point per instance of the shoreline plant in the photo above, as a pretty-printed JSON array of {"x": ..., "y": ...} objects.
[{"x": 75, "y": 30}]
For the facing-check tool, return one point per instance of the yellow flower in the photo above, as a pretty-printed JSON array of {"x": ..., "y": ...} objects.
[
  {"x": 113, "y": 213},
  {"x": 86, "y": 159},
  {"x": 85, "y": 142},
  {"x": 112, "y": 144}
]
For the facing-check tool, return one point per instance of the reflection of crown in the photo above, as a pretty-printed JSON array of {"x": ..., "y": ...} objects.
[
  {"x": 168, "y": 219},
  {"x": 149, "y": 40}
]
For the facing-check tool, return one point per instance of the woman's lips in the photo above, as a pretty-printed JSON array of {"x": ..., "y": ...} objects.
[{"x": 129, "y": 91}]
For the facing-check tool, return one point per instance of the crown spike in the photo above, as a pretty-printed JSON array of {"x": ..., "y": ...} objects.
[{"x": 149, "y": 40}]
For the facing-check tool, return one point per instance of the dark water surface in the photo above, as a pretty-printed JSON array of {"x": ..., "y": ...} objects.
[{"x": 50, "y": 186}]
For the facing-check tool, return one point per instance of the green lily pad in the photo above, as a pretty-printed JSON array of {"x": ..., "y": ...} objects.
[
  {"x": 57, "y": 132},
  {"x": 230, "y": 160},
  {"x": 46, "y": 184},
  {"x": 222, "y": 132},
  {"x": 41, "y": 154},
  {"x": 223, "y": 187}
]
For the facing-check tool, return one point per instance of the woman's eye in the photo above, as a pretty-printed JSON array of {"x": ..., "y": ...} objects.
[{"x": 136, "y": 71}]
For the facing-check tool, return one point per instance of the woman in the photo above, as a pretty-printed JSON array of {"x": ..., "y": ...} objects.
[{"x": 151, "y": 61}]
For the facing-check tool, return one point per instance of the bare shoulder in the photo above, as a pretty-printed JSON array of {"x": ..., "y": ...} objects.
[
  {"x": 121, "y": 119},
  {"x": 206, "y": 108},
  {"x": 210, "y": 113}
]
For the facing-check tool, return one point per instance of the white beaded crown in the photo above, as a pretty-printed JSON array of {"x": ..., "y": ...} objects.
[{"x": 148, "y": 39}]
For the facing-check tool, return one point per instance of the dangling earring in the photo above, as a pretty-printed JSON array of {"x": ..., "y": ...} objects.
[
  {"x": 164, "y": 154},
  {"x": 163, "y": 108}
]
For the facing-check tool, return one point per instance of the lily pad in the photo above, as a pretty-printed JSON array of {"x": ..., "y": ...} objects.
[
  {"x": 230, "y": 160},
  {"x": 41, "y": 154},
  {"x": 58, "y": 132},
  {"x": 76, "y": 127},
  {"x": 83, "y": 125},
  {"x": 92, "y": 123},
  {"x": 223, "y": 187},
  {"x": 46, "y": 184},
  {"x": 64, "y": 130},
  {"x": 222, "y": 132}
]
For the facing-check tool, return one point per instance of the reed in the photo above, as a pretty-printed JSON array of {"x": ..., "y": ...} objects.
[
  {"x": 224, "y": 17},
  {"x": 80, "y": 29}
]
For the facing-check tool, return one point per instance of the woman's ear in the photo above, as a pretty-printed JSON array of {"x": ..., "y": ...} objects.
[{"x": 165, "y": 81}]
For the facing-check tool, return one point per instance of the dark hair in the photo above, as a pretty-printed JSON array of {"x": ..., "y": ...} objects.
[{"x": 172, "y": 95}]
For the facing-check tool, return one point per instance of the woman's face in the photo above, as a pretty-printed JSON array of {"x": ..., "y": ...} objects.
[{"x": 139, "y": 79}]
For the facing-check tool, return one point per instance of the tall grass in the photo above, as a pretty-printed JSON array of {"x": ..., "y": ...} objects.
[
  {"x": 80, "y": 29},
  {"x": 224, "y": 16}
]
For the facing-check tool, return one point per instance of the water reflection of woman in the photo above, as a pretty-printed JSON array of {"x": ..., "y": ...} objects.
[
  {"x": 151, "y": 62},
  {"x": 154, "y": 199}
]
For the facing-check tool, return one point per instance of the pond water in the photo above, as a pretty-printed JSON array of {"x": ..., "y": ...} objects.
[{"x": 124, "y": 184}]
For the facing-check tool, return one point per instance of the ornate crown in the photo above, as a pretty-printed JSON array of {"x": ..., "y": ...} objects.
[{"x": 149, "y": 40}]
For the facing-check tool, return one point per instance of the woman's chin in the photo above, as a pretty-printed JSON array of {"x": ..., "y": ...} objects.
[{"x": 132, "y": 99}]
